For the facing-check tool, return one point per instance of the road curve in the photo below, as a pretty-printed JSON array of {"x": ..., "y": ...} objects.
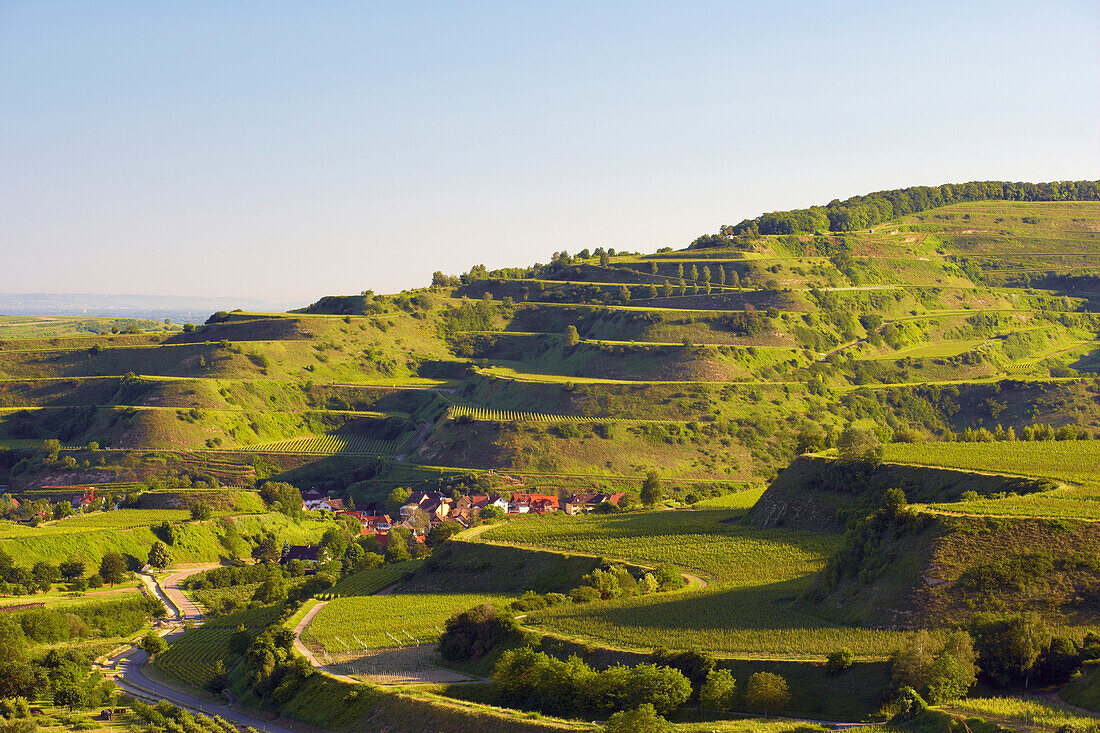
[
  {"x": 129, "y": 668},
  {"x": 132, "y": 679},
  {"x": 189, "y": 610}
]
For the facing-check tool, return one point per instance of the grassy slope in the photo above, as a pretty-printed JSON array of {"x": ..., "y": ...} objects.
[
  {"x": 254, "y": 377},
  {"x": 94, "y": 536}
]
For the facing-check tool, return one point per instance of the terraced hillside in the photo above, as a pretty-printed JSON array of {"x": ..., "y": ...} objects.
[
  {"x": 768, "y": 386},
  {"x": 713, "y": 365}
]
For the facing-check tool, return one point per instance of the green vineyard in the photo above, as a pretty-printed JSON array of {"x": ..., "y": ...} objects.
[
  {"x": 328, "y": 445},
  {"x": 370, "y": 622},
  {"x": 225, "y": 471},
  {"x": 482, "y": 413},
  {"x": 193, "y": 657},
  {"x": 371, "y": 581}
]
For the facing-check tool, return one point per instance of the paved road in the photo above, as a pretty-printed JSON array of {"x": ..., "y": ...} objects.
[
  {"x": 151, "y": 583},
  {"x": 190, "y": 611},
  {"x": 133, "y": 680},
  {"x": 131, "y": 677}
]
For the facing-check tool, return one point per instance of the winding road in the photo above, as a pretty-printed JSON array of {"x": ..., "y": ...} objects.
[
  {"x": 133, "y": 680},
  {"x": 129, "y": 669}
]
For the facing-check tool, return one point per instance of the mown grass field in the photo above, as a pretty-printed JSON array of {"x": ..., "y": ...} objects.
[{"x": 58, "y": 596}]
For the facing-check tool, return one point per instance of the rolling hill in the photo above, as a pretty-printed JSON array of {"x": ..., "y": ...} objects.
[{"x": 956, "y": 327}]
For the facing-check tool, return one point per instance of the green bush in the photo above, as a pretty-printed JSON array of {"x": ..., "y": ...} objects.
[
  {"x": 839, "y": 661},
  {"x": 532, "y": 679},
  {"x": 473, "y": 633}
]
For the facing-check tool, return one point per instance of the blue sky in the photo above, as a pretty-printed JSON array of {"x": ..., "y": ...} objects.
[{"x": 292, "y": 150}]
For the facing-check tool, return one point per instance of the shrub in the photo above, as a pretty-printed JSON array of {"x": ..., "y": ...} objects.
[
  {"x": 909, "y": 704},
  {"x": 153, "y": 644},
  {"x": 473, "y": 633},
  {"x": 529, "y": 601},
  {"x": 642, "y": 719},
  {"x": 200, "y": 511},
  {"x": 719, "y": 691},
  {"x": 668, "y": 577},
  {"x": 694, "y": 664},
  {"x": 767, "y": 691},
  {"x": 584, "y": 594},
  {"x": 839, "y": 661},
  {"x": 535, "y": 679}
]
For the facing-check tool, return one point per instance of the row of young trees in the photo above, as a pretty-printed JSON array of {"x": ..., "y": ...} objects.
[
  {"x": 1036, "y": 432},
  {"x": 861, "y": 212}
]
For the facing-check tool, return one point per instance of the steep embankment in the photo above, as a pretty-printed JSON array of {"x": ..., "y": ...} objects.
[
  {"x": 911, "y": 568},
  {"x": 823, "y": 494},
  {"x": 919, "y": 571}
]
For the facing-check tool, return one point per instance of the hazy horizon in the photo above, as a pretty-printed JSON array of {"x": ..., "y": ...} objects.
[{"x": 284, "y": 152}]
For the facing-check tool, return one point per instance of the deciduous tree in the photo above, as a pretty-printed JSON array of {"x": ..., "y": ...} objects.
[
  {"x": 719, "y": 691},
  {"x": 767, "y": 691},
  {"x": 112, "y": 568},
  {"x": 159, "y": 555},
  {"x": 651, "y": 491},
  {"x": 153, "y": 644}
]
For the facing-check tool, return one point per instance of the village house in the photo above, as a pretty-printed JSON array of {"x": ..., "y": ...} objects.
[
  {"x": 462, "y": 517},
  {"x": 305, "y": 553},
  {"x": 432, "y": 503},
  {"x": 471, "y": 503},
  {"x": 333, "y": 506},
  {"x": 313, "y": 499},
  {"x": 85, "y": 500},
  {"x": 313, "y": 494},
  {"x": 372, "y": 523},
  {"x": 532, "y": 503},
  {"x": 584, "y": 503}
]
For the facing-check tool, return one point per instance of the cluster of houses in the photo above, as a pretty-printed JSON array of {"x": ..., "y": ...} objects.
[
  {"x": 85, "y": 501},
  {"x": 437, "y": 507}
]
